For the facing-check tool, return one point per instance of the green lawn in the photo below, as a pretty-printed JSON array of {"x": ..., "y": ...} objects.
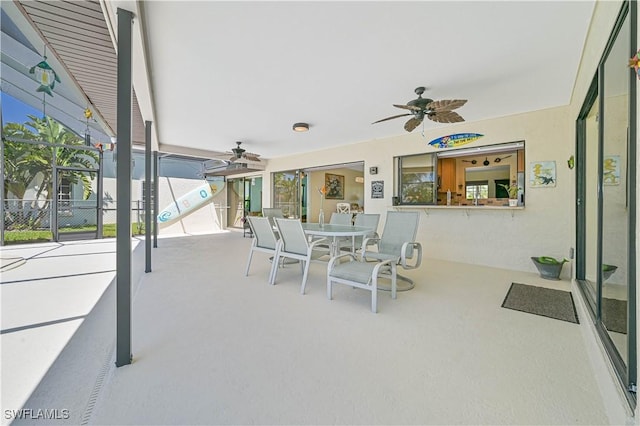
[{"x": 36, "y": 236}]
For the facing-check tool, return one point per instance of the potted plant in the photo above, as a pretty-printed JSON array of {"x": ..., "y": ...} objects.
[
  {"x": 549, "y": 267},
  {"x": 607, "y": 271},
  {"x": 512, "y": 190}
]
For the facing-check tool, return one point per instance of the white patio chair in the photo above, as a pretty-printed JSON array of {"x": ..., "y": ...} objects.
[
  {"x": 367, "y": 221},
  {"x": 272, "y": 213},
  {"x": 265, "y": 240},
  {"x": 293, "y": 244},
  {"x": 337, "y": 219},
  {"x": 395, "y": 247},
  {"x": 362, "y": 275},
  {"x": 343, "y": 208},
  {"x": 397, "y": 243}
]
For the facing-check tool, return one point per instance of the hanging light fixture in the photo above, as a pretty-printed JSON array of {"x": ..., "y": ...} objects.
[{"x": 301, "y": 127}]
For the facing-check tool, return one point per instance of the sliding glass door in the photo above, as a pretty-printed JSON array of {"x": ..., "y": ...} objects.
[{"x": 606, "y": 201}]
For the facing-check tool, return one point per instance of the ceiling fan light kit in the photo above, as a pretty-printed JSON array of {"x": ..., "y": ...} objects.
[
  {"x": 239, "y": 153},
  {"x": 438, "y": 111},
  {"x": 301, "y": 127}
]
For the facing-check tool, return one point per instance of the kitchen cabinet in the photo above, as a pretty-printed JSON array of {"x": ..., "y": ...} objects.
[
  {"x": 520, "y": 160},
  {"x": 447, "y": 174}
]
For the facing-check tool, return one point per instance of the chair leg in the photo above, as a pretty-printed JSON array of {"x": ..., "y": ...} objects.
[
  {"x": 374, "y": 294},
  {"x": 246, "y": 272},
  {"x": 274, "y": 268},
  {"x": 306, "y": 272},
  {"x": 394, "y": 280},
  {"x": 329, "y": 288}
]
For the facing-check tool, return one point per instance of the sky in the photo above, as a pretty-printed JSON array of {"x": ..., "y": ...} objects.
[{"x": 14, "y": 111}]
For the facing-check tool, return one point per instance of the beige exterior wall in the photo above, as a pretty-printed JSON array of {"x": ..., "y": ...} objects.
[{"x": 542, "y": 228}]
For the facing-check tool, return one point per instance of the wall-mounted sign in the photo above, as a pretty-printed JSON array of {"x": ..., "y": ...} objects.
[
  {"x": 455, "y": 140},
  {"x": 377, "y": 189}
]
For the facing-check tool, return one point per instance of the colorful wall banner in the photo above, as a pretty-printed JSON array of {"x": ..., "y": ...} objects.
[{"x": 455, "y": 140}]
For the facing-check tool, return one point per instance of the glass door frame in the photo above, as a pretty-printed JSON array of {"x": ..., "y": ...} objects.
[{"x": 626, "y": 372}]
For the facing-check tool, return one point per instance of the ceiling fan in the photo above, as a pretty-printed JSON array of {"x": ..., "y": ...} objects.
[
  {"x": 239, "y": 153},
  {"x": 438, "y": 111}
]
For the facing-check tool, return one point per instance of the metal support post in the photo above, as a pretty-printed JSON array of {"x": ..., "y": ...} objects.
[
  {"x": 123, "y": 215},
  {"x": 147, "y": 196},
  {"x": 2, "y": 197},
  {"x": 100, "y": 201},
  {"x": 54, "y": 189},
  {"x": 156, "y": 199}
]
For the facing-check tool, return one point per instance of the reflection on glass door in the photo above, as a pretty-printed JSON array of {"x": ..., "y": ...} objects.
[
  {"x": 286, "y": 193},
  {"x": 244, "y": 198},
  {"x": 235, "y": 202},
  {"x": 605, "y": 214},
  {"x": 590, "y": 201},
  {"x": 615, "y": 219}
]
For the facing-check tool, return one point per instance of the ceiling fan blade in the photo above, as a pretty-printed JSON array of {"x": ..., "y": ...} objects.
[
  {"x": 412, "y": 124},
  {"x": 411, "y": 107},
  {"x": 445, "y": 117},
  {"x": 390, "y": 118},
  {"x": 446, "y": 104},
  {"x": 251, "y": 156}
]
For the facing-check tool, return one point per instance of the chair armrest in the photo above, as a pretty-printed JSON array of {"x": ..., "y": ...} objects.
[
  {"x": 315, "y": 242},
  {"x": 338, "y": 259},
  {"x": 376, "y": 269},
  {"x": 403, "y": 258},
  {"x": 368, "y": 241}
]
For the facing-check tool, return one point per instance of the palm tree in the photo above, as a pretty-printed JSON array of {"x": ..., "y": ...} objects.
[{"x": 28, "y": 165}]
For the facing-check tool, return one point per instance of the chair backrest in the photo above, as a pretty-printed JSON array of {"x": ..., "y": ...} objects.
[
  {"x": 343, "y": 208},
  {"x": 368, "y": 221},
  {"x": 341, "y": 218},
  {"x": 272, "y": 213},
  {"x": 399, "y": 228},
  {"x": 263, "y": 232},
  {"x": 292, "y": 236}
]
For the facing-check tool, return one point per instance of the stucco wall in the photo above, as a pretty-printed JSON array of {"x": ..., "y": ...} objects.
[{"x": 544, "y": 227}]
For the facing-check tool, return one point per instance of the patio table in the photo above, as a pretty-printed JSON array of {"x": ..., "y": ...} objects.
[{"x": 335, "y": 232}]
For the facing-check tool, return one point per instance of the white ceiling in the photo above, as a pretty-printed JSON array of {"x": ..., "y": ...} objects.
[
  {"x": 226, "y": 71},
  {"x": 222, "y": 72}
]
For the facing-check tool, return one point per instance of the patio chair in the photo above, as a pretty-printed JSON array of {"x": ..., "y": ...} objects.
[
  {"x": 397, "y": 243},
  {"x": 343, "y": 208},
  {"x": 272, "y": 213},
  {"x": 264, "y": 241},
  {"x": 365, "y": 220},
  {"x": 358, "y": 274},
  {"x": 395, "y": 247},
  {"x": 293, "y": 244},
  {"x": 337, "y": 219}
]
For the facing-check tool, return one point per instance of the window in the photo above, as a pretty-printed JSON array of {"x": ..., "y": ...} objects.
[
  {"x": 64, "y": 193},
  {"x": 476, "y": 190},
  {"x": 417, "y": 180},
  {"x": 460, "y": 177}
]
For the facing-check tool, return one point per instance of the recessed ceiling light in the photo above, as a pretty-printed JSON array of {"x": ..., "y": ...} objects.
[{"x": 300, "y": 127}]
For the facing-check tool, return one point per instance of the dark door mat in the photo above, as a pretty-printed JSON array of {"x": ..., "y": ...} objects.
[
  {"x": 546, "y": 302},
  {"x": 614, "y": 315}
]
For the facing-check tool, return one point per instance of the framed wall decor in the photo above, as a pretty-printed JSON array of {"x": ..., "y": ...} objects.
[
  {"x": 611, "y": 170},
  {"x": 377, "y": 189},
  {"x": 334, "y": 185},
  {"x": 542, "y": 174}
]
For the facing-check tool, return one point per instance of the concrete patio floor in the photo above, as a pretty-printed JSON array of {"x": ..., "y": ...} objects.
[{"x": 212, "y": 346}]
